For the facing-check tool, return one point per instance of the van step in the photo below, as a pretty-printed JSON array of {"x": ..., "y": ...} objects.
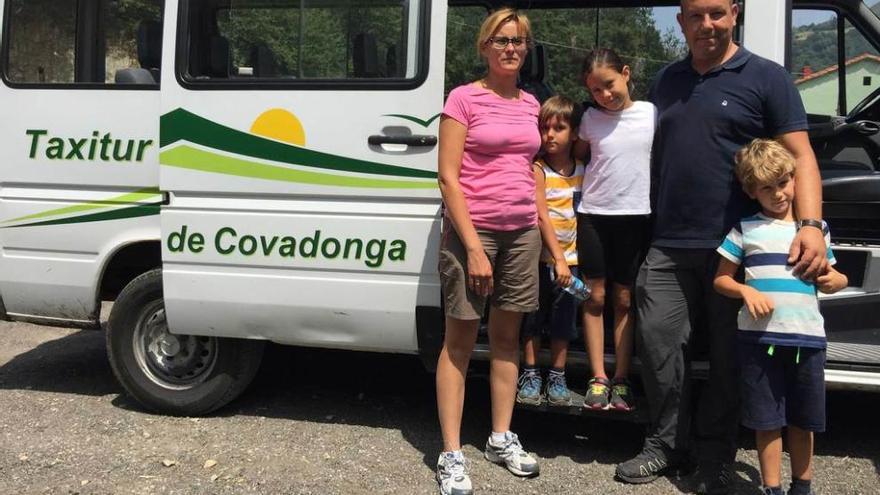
[
  {"x": 638, "y": 415},
  {"x": 579, "y": 361},
  {"x": 840, "y": 352}
]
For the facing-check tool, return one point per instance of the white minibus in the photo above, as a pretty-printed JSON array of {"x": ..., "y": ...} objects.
[{"x": 232, "y": 172}]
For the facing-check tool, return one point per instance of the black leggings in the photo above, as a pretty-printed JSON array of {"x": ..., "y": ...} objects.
[{"x": 611, "y": 246}]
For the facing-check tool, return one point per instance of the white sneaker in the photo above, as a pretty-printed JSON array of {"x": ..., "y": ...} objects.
[
  {"x": 452, "y": 474},
  {"x": 510, "y": 453}
]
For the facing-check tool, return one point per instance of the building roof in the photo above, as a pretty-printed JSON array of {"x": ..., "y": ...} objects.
[{"x": 828, "y": 70}]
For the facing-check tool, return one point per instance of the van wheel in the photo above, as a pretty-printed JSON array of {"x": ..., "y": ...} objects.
[{"x": 183, "y": 375}]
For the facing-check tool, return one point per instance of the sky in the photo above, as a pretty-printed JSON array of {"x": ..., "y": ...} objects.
[{"x": 665, "y": 18}]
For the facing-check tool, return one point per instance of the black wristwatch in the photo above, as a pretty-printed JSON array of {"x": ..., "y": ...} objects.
[{"x": 809, "y": 222}]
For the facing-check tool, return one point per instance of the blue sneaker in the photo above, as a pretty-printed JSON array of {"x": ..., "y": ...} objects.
[
  {"x": 529, "y": 387},
  {"x": 557, "y": 390}
]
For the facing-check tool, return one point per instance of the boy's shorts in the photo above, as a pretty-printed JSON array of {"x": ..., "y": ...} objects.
[
  {"x": 514, "y": 258},
  {"x": 557, "y": 309},
  {"x": 780, "y": 390}
]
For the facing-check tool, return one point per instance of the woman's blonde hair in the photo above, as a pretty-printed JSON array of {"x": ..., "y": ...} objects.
[
  {"x": 763, "y": 161},
  {"x": 496, "y": 19}
]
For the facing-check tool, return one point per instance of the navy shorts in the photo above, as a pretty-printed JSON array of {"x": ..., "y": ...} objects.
[
  {"x": 557, "y": 309},
  {"x": 782, "y": 390}
]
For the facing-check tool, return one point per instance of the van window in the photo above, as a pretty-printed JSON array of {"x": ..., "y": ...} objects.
[
  {"x": 60, "y": 42},
  {"x": 40, "y": 41},
  {"x": 254, "y": 41},
  {"x": 816, "y": 62},
  {"x": 646, "y": 38}
]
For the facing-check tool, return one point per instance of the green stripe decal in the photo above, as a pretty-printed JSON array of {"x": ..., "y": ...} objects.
[
  {"x": 128, "y": 198},
  {"x": 181, "y": 125},
  {"x": 117, "y": 214},
  {"x": 195, "y": 159}
]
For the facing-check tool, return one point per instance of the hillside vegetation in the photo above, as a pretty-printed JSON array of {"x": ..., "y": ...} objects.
[{"x": 815, "y": 45}]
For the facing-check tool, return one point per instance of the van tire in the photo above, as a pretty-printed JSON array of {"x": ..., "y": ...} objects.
[{"x": 182, "y": 375}]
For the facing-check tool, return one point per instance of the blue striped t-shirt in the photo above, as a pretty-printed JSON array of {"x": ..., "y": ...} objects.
[{"x": 761, "y": 244}]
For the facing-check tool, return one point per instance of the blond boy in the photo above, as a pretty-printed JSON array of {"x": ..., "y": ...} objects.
[{"x": 781, "y": 337}]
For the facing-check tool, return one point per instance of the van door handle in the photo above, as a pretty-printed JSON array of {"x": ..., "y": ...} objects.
[
  {"x": 865, "y": 127},
  {"x": 411, "y": 140}
]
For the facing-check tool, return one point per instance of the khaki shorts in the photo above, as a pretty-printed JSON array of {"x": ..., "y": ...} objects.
[{"x": 514, "y": 258}]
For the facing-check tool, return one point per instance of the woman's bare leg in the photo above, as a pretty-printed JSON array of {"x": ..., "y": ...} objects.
[
  {"x": 461, "y": 335},
  {"x": 503, "y": 365}
]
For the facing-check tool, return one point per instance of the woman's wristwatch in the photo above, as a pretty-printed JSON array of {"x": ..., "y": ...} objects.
[{"x": 810, "y": 222}]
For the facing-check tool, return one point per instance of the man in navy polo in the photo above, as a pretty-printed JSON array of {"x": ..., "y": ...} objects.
[{"x": 710, "y": 104}]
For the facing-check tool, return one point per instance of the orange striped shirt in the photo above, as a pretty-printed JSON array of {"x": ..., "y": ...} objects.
[{"x": 563, "y": 195}]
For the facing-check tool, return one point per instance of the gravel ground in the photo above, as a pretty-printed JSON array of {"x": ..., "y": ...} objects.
[{"x": 323, "y": 422}]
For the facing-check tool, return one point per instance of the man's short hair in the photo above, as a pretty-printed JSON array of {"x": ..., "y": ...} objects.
[
  {"x": 761, "y": 162},
  {"x": 682, "y": 2}
]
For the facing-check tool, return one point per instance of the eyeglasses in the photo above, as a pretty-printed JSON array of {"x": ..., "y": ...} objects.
[{"x": 501, "y": 42}]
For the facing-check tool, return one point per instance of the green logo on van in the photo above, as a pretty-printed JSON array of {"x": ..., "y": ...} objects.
[
  {"x": 137, "y": 203},
  {"x": 413, "y": 118},
  {"x": 193, "y": 142}
]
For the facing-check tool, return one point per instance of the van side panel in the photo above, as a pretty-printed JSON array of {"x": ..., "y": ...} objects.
[
  {"x": 60, "y": 218},
  {"x": 78, "y": 178},
  {"x": 299, "y": 271},
  {"x": 285, "y": 222}
]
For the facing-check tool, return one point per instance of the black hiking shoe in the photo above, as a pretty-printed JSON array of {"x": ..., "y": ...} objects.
[
  {"x": 646, "y": 467},
  {"x": 714, "y": 478}
]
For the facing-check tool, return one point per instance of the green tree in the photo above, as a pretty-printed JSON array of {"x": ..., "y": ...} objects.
[
  {"x": 815, "y": 45},
  {"x": 568, "y": 35}
]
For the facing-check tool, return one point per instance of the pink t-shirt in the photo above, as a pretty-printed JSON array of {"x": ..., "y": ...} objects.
[{"x": 496, "y": 167}]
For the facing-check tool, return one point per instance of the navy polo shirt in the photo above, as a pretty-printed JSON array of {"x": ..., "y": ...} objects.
[{"x": 703, "y": 121}]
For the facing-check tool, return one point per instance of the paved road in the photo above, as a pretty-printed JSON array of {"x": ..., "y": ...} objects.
[{"x": 322, "y": 422}]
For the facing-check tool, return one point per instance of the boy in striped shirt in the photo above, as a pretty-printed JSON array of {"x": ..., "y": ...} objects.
[{"x": 781, "y": 334}]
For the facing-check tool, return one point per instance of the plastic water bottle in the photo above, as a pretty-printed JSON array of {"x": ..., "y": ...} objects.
[{"x": 578, "y": 289}]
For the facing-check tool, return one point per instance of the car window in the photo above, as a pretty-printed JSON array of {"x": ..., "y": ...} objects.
[
  {"x": 828, "y": 85},
  {"x": 50, "y": 43}
]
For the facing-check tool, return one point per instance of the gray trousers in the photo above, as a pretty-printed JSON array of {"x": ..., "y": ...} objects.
[{"x": 675, "y": 302}]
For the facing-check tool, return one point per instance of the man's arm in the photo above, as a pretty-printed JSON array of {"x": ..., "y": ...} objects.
[{"x": 807, "y": 251}]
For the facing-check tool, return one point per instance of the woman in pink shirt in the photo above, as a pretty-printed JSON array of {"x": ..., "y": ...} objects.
[{"x": 491, "y": 244}]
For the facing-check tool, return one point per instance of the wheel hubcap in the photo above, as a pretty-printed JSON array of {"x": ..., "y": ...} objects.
[{"x": 172, "y": 361}]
